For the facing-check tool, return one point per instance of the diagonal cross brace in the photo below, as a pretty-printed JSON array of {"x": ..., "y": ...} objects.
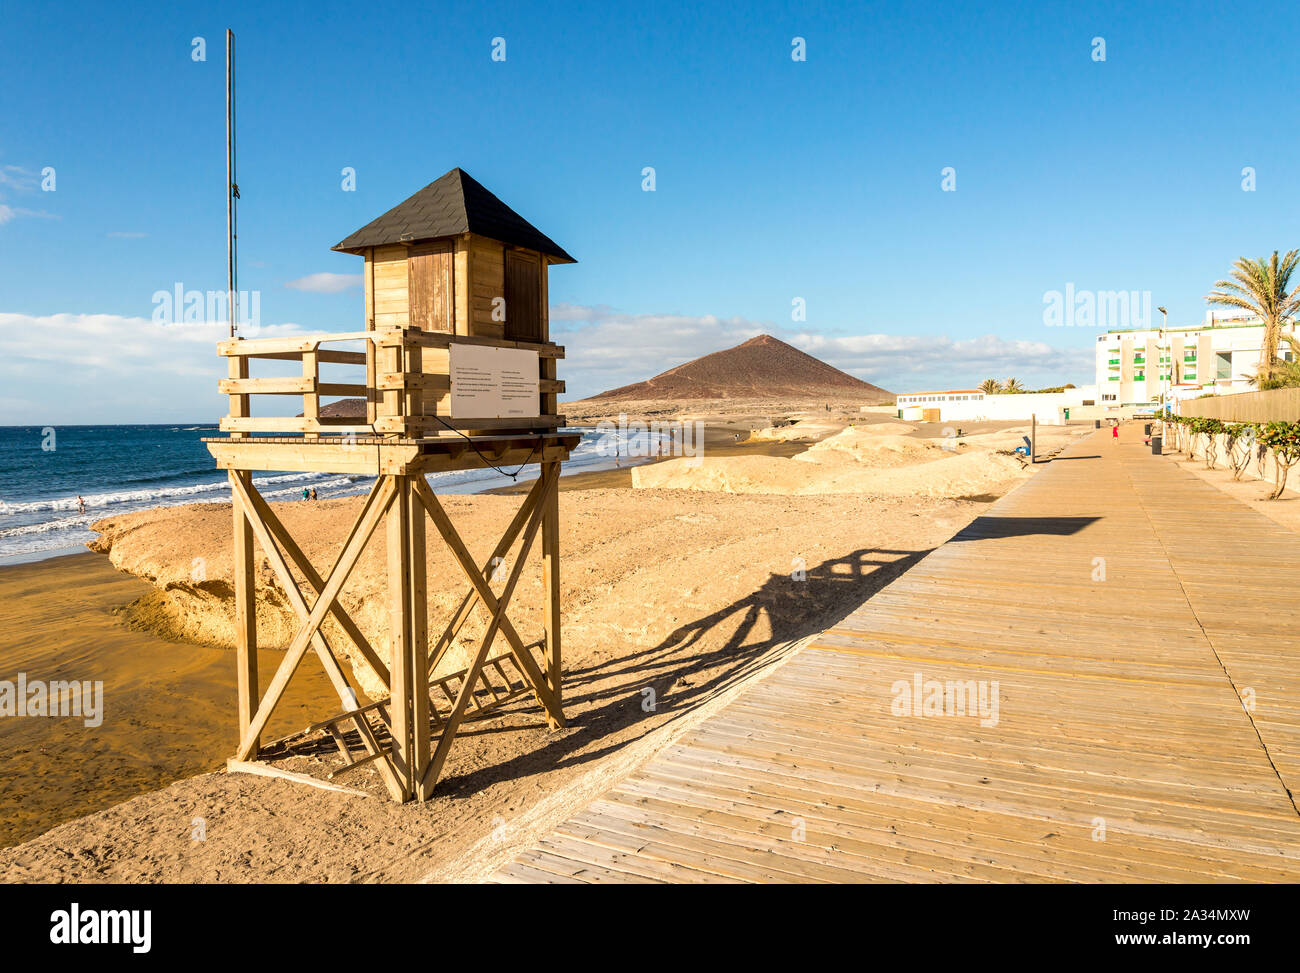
[
  {"x": 499, "y": 622},
  {"x": 377, "y": 505},
  {"x": 541, "y": 688},
  {"x": 317, "y": 583},
  {"x": 471, "y": 598},
  {"x": 248, "y": 498}
]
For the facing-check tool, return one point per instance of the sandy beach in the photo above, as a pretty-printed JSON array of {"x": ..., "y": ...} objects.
[
  {"x": 683, "y": 590},
  {"x": 167, "y": 712}
]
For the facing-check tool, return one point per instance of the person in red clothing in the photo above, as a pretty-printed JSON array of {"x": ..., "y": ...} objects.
[{"x": 1114, "y": 432}]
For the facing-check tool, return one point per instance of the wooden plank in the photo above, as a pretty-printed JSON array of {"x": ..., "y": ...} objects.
[
  {"x": 264, "y": 386},
  {"x": 311, "y": 398},
  {"x": 286, "y": 386},
  {"x": 402, "y": 685},
  {"x": 551, "y": 581},
  {"x": 370, "y": 326},
  {"x": 431, "y": 339},
  {"x": 291, "y": 424},
  {"x": 415, "y": 425},
  {"x": 323, "y": 355},
  {"x": 237, "y": 370},
  {"x": 418, "y": 643},
  {"x": 413, "y": 380},
  {"x": 1120, "y": 711},
  {"x": 256, "y": 347},
  {"x": 264, "y": 770},
  {"x": 268, "y": 453},
  {"x": 244, "y": 568}
]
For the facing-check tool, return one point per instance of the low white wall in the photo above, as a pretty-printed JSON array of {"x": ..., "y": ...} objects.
[{"x": 1259, "y": 466}]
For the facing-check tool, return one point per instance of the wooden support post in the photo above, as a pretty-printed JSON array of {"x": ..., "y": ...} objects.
[
  {"x": 245, "y": 611},
  {"x": 240, "y": 407},
  {"x": 399, "y": 629},
  {"x": 311, "y": 400},
  {"x": 550, "y": 474},
  {"x": 393, "y": 401},
  {"x": 419, "y": 640},
  {"x": 371, "y": 350}
]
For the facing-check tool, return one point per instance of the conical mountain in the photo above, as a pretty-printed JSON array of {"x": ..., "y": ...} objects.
[{"x": 762, "y": 367}]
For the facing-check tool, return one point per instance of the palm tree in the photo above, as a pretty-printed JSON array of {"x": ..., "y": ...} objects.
[
  {"x": 1286, "y": 374},
  {"x": 990, "y": 386},
  {"x": 1012, "y": 385},
  {"x": 1260, "y": 287}
]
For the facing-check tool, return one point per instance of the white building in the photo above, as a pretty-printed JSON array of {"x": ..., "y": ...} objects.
[
  {"x": 972, "y": 405},
  {"x": 1221, "y": 355}
]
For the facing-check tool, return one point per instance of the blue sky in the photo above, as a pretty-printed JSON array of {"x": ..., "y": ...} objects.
[{"x": 775, "y": 179}]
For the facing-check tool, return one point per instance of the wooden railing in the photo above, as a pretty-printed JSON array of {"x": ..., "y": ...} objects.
[
  {"x": 1273, "y": 405},
  {"x": 407, "y": 391}
]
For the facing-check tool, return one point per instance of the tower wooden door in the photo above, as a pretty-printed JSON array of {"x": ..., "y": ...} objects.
[
  {"x": 523, "y": 296},
  {"x": 432, "y": 289}
]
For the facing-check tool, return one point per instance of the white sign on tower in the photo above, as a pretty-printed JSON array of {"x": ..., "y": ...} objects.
[{"x": 493, "y": 383}]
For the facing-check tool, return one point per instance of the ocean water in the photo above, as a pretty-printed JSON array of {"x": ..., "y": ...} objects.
[{"x": 118, "y": 469}]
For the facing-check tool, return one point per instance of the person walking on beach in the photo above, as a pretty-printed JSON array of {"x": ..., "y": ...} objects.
[
  {"x": 313, "y": 493},
  {"x": 81, "y": 504},
  {"x": 305, "y": 493},
  {"x": 1114, "y": 431}
]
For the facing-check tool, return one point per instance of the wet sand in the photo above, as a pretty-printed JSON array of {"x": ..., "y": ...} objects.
[{"x": 167, "y": 711}]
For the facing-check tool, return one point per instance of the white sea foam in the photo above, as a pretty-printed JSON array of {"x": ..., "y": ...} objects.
[
  {"x": 152, "y": 497},
  {"x": 53, "y": 524}
]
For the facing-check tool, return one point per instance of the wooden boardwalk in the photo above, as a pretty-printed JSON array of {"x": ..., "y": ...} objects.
[{"x": 1121, "y": 750}]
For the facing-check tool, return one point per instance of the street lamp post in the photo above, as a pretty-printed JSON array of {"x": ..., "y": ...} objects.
[{"x": 1164, "y": 377}]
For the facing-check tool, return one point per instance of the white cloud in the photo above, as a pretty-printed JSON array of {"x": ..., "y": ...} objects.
[
  {"x": 8, "y": 213},
  {"x": 65, "y": 368},
  {"x": 24, "y": 181},
  {"x": 325, "y": 283},
  {"x": 88, "y": 368},
  {"x": 16, "y": 177},
  {"x": 607, "y": 348},
  {"x": 902, "y": 362}
]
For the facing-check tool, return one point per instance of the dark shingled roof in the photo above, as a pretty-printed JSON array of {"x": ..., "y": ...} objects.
[{"x": 452, "y": 204}]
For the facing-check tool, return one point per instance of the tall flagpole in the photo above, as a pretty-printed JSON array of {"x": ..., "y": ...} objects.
[{"x": 232, "y": 191}]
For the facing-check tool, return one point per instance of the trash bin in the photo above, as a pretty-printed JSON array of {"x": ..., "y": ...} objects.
[
  {"x": 1156, "y": 443},
  {"x": 1146, "y": 430},
  {"x": 1096, "y": 423}
]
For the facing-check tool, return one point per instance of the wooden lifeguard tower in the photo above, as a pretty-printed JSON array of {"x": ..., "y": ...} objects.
[{"x": 459, "y": 375}]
